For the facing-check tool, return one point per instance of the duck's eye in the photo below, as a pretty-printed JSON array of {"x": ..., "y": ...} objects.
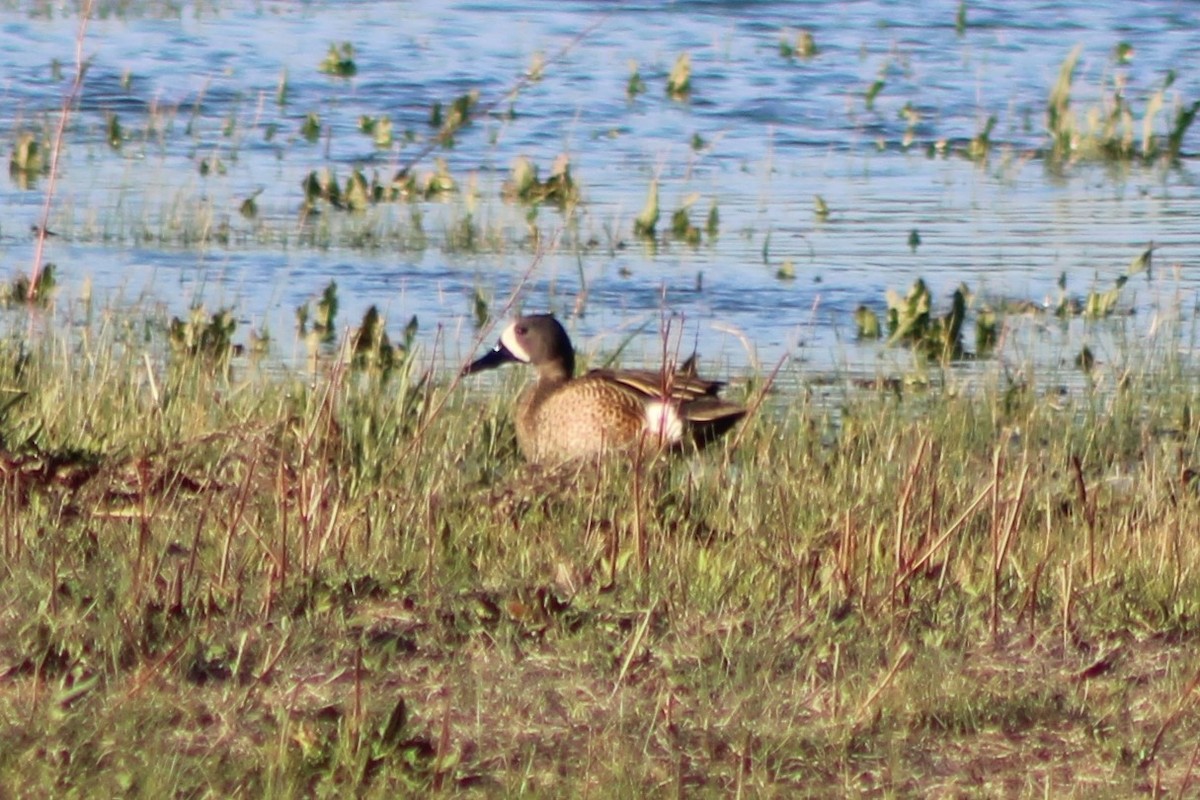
[{"x": 522, "y": 330}]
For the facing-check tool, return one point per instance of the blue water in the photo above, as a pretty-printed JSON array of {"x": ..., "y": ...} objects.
[{"x": 202, "y": 84}]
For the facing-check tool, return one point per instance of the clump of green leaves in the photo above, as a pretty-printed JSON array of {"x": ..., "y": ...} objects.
[
  {"x": 339, "y": 61},
  {"x": 204, "y": 336},
  {"x": 866, "y": 323},
  {"x": 458, "y": 116},
  {"x": 647, "y": 220},
  {"x": 804, "y": 46},
  {"x": 981, "y": 144},
  {"x": 679, "y": 81},
  {"x": 820, "y": 207},
  {"x": 872, "y": 92},
  {"x": 910, "y": 321},
  {"x": 635, "y": 85},
  {"x": 1103, "y": 303},
  {"x": 323, "y": 316},
  {"x": 372, "y": 349},
  {"x": 27, "y": 156},
  {"x": 19, "y": 291},
  {"x": 681, "y": 223},
  {"x": 310, "y": 129},
  {"x": 1109, "y": 130},
  {"x": 523, "y": 185},
  {"x": 378, "y": 128}
]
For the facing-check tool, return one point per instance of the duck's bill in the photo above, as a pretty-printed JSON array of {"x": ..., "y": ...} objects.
[{"x": 497, "y": 356}]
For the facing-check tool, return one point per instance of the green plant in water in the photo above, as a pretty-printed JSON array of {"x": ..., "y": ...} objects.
[
  {"x": 635, "y": 85},
  {"x": 1107, "y": 131},
  {"x": 679, "y": 81},
  {"x": 712, "y": 224},
  {"x": 310, "y": 129},
  {"x": 866, "y": 323},
  {"x": 378, "y": 128},
  {"x": 1103, "y": 304},
  {"x": 1059, "y": 119},
  {"x": 204, "y": 336},
  {"x": 457, "y": 117},
  {"x": 820, "y": 207},
  {"x": 249, "y": 207},
  {"x": 27, "y": 161},
  {"x": 372, "y": 350},
  {"x": 114, "y": 134},
  {"x": 339, "y": 61},
  {"x": 523, "y": 185},
  {"x": 646, "y": 221},
  {"x": 480, "y": 308},
  {"x": 987, "y": 332},
  {"x": 681, "y": 223},
  {"x": 872, "y": 92},
  {"x": 981, "y": 144},
  {"x": 18, "y": 292},
  {"x": 323, "y": 317},
  {"x": 910, "y": 321},
  {"x": 804, "y": 46}
]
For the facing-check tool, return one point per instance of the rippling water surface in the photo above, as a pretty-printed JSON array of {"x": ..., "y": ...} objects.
[{"x": 760, "y": 137}]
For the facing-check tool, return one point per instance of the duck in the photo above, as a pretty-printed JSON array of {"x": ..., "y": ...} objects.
[{"x": 561, "y": 417}]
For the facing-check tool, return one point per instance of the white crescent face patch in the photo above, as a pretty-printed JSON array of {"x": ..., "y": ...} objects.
[{"x": 511, "y": 343}]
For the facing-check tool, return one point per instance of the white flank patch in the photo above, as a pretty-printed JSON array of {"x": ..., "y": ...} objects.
[
  {"x": 663, "y": 422},
  {"x": 509, "y": 341}
]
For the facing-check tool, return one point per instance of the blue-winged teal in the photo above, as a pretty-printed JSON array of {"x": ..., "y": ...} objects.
[{"x": 560, "y": 417}]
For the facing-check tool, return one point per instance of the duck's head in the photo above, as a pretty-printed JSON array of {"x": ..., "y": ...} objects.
[{"x": 537, "y": 339}]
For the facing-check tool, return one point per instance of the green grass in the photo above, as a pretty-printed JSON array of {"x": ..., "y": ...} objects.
[{"x": 240, "y": 583}]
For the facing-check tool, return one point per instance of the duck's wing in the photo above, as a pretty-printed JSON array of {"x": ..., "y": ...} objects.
[{"x": 682, "y": 387}]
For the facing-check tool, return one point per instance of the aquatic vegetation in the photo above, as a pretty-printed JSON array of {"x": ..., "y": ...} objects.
[
  {"x": 820, "y": 207},
  {"x": 872, "y": 92},
  {"x": 339, "y": 61},
  {"x": 323, "y": 316},
  {"x": 1109, "y": 131},
  {"x": 910, "y": 321},
  {"x": 204, "y": 336},
  {"x": 371, "y": 347},
  {"x": 679, "y": 80},
  {"x": 981, "y": 144},
  {"x": 459, "y": 115},
  {"x": 647, "y": 219},
  {"x": 378, "y": 128},
  {"x": 23, "y": 291},
  {"x": 681, "y": 223},
  {"x": 115, "y": 133},
  {"x": 803, "y": 46},
  {"x": 310, "y": 129},
  {"x": 27, "y": 157},
  {"x": 248, "y": 208},
  {"x": 635, "y": 85},
  {"x": 712, "y": 222},
  {"x": 523, "y": 185}
]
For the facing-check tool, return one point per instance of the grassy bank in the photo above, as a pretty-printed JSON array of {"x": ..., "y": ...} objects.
[{"x": 226, "y": 582}]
